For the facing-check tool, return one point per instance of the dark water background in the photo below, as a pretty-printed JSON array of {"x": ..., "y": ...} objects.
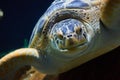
[{"x": 20, "y": 17}]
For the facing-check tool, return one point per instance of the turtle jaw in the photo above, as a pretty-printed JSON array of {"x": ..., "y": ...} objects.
[{"x": 71, "y": 41}]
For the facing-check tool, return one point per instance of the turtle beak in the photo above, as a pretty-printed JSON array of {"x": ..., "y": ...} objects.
[{"x": 74, "y": 40}]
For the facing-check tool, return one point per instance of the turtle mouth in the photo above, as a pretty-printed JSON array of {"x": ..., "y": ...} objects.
[{"x": 80, "y": 44}]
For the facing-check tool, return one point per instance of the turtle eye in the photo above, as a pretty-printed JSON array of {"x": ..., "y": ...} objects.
[
  {"x": 77, "y": 29},
  {"x": 60, "y": 35}
]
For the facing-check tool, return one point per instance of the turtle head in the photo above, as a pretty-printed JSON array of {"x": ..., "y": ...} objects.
[{"x": 70, "y": 34}]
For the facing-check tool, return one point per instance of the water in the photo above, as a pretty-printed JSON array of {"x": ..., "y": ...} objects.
[{"x": 20, "y": 17}]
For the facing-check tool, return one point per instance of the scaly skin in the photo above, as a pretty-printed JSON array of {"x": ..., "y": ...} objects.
[{"x": 36, "y": 57}]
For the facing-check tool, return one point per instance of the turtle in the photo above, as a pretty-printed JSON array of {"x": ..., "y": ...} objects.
[{"x": 68, "y": 34}]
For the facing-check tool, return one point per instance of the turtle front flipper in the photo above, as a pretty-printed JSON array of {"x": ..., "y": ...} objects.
[
  {"x": 111, "y": 14},
  {"x": 11, "y": 63}
]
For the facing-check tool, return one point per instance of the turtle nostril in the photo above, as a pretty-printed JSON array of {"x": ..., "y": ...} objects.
[
  {"x": 69, "y": 35},
  {"x": 78, "y": 30}
]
